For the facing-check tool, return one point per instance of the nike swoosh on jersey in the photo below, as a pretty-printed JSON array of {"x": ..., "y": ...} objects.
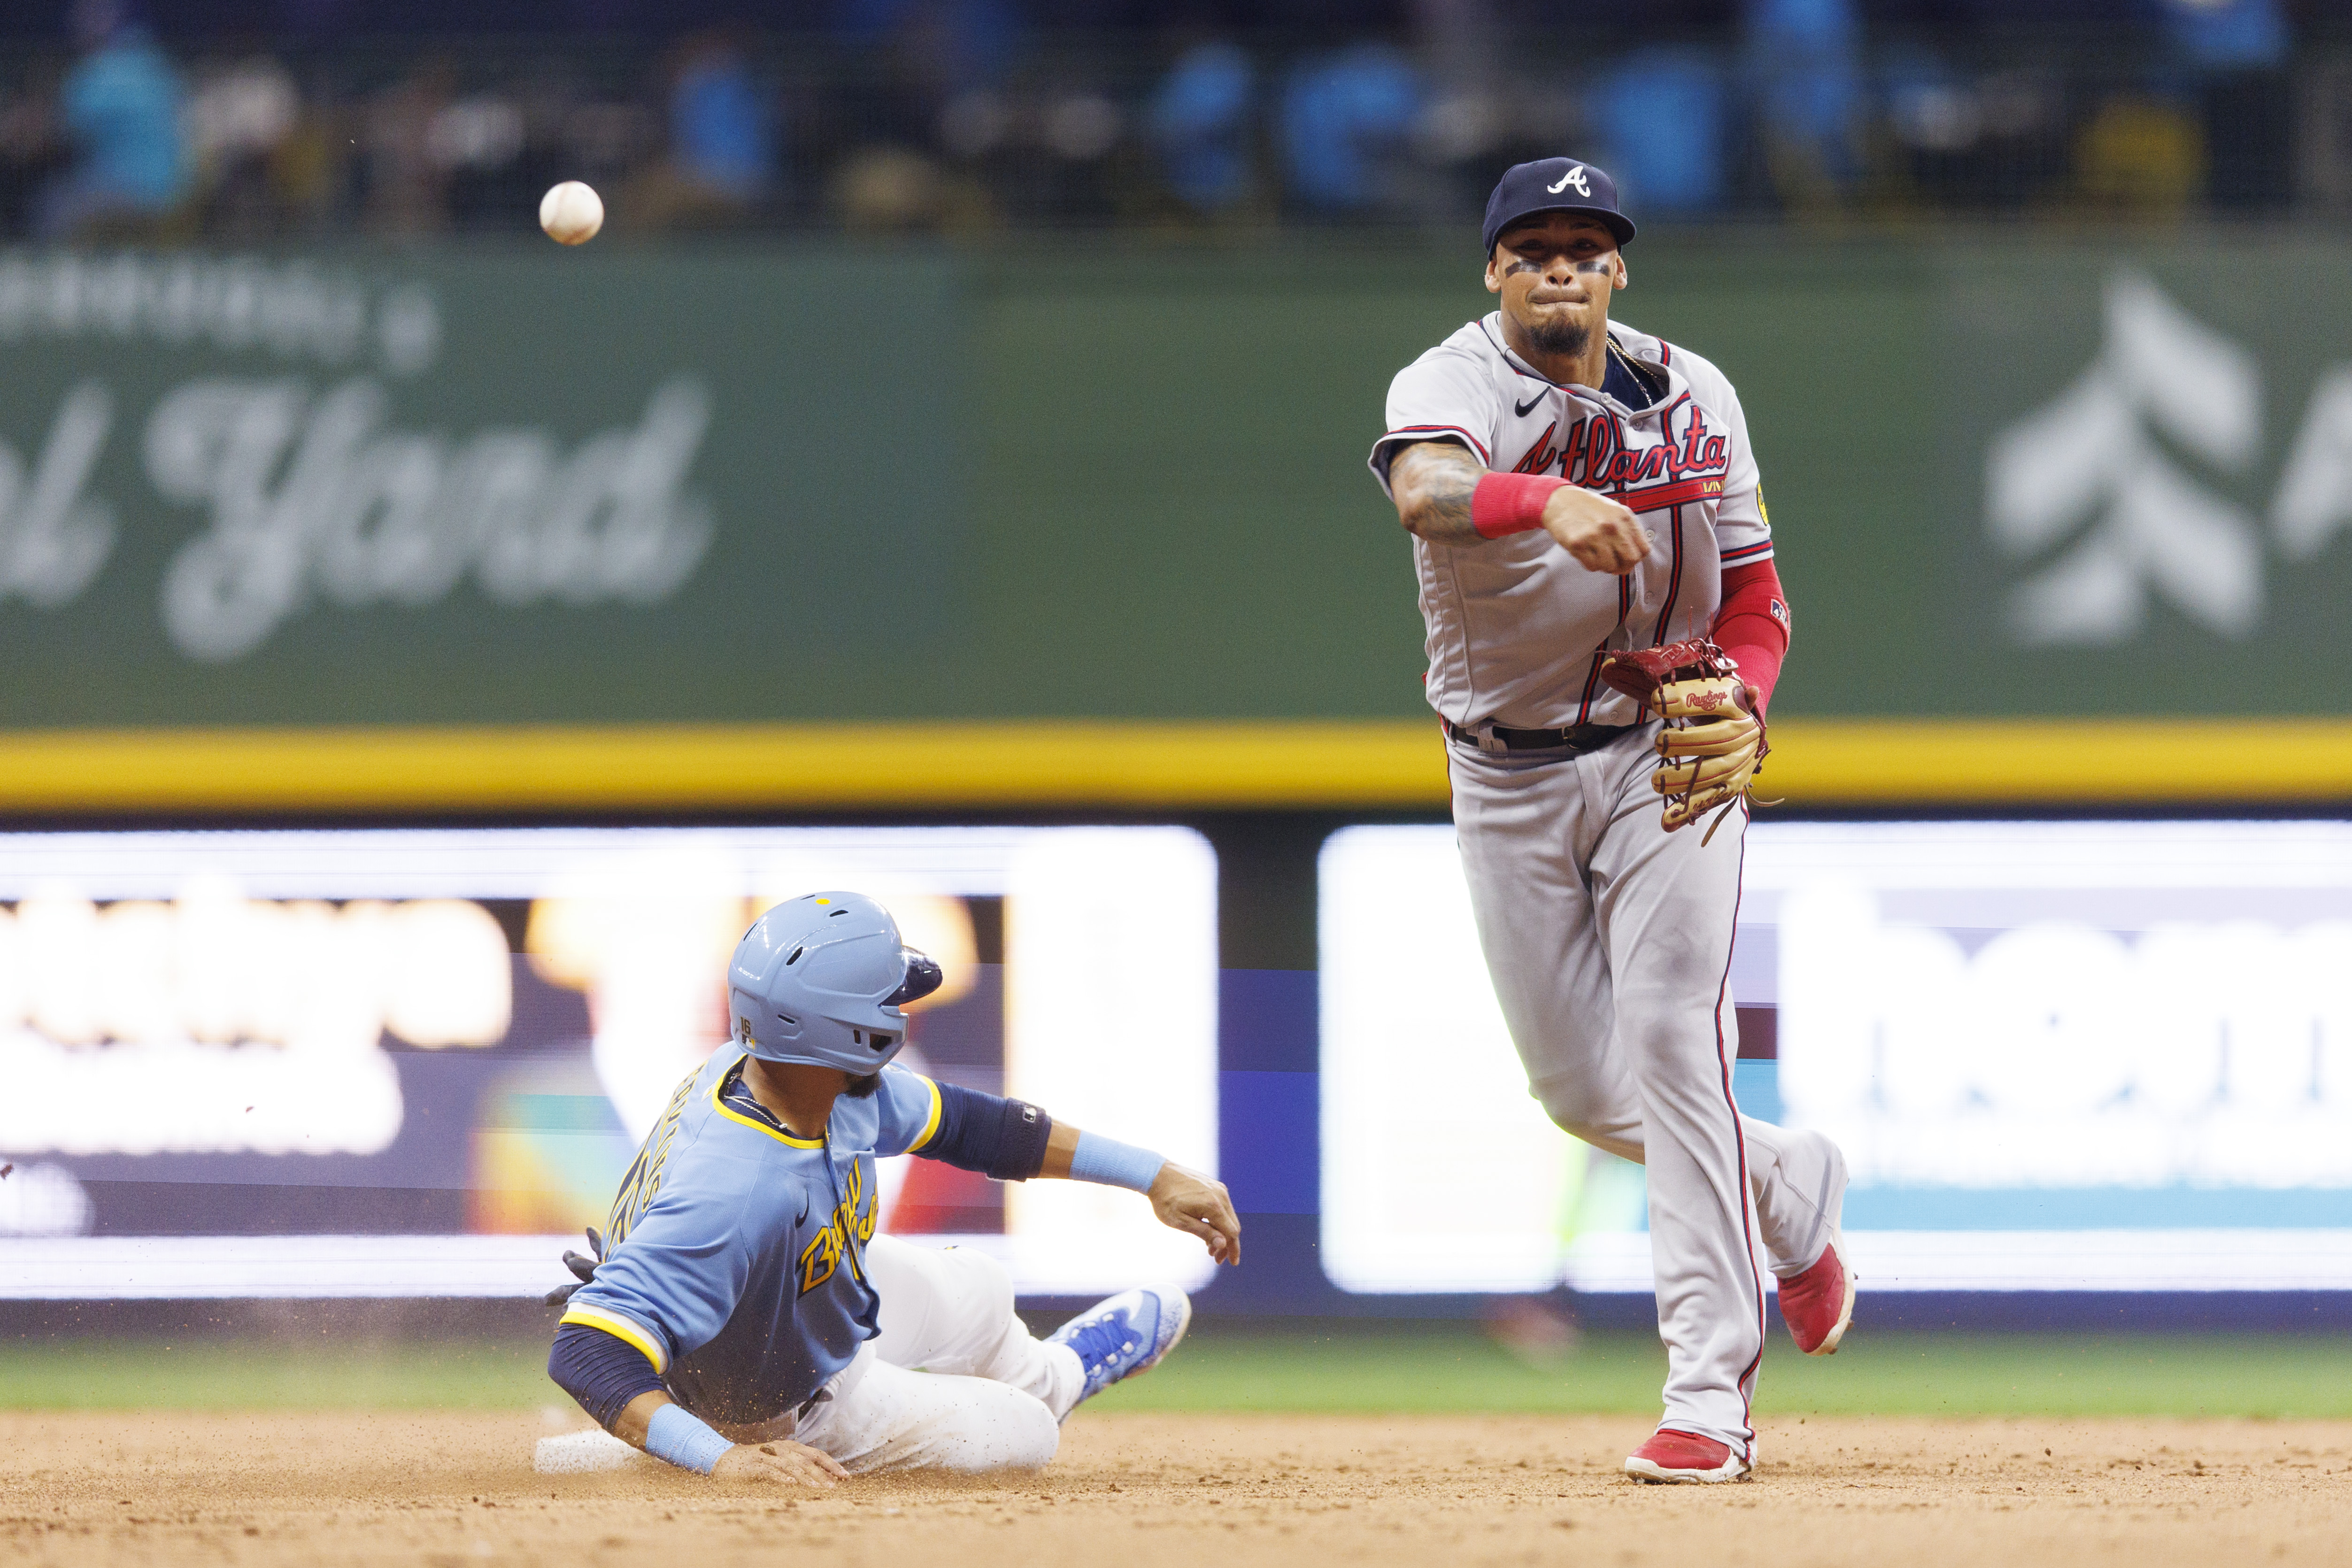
[{"x": 1521, "y": 408}]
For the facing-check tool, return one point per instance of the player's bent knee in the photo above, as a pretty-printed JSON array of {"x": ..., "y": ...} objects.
[
  {"x": 1034, "y": 1437},
  {"x": 983, "y": 1281},
  {"x": 1568, "y": 1105},
  {"x": 985, "y": 1292},
  {"x": 1002, "y": 1429},
  {"x": 1577, "y": 1108}
]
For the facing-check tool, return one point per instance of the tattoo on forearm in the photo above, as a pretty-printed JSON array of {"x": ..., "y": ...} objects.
[{"x": 1432, "y": 481}]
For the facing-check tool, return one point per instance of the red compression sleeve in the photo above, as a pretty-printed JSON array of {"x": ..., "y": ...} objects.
[
  {"x": 1510, "y": 503},
  {"x": 1752, "y": 626}
]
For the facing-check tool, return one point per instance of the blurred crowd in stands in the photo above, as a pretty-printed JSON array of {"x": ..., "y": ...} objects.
[{"x": 146, "y": 120}]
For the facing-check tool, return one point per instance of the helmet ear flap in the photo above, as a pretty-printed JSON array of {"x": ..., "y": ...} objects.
[{"x": 756, "y": 1022}]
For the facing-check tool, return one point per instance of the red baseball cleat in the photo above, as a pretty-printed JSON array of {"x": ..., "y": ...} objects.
[
  {"x": 1671, "y": 1457},
  {"x": 1818, "y": 1305}
]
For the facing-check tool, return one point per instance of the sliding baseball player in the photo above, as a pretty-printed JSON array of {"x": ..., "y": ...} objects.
[{"x": 744, "y": 1321}]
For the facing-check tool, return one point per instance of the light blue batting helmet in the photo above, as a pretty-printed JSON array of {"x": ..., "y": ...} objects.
[{"x": 822, "y": 980}]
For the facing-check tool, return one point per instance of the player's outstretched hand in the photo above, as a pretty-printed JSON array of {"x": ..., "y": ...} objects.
[
  {"x": 785, "y": 1463},
  {"x": 1602, "y": 535},
  {"x": 1188, "y": 1201}
]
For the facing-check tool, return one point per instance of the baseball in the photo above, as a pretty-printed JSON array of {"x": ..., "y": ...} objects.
[{"x": 570, "y": 213}]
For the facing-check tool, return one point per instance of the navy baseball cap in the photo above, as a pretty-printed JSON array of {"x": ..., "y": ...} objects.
[{"x": 1554, "y": 186}]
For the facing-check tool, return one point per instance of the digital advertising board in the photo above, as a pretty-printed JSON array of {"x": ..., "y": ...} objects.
[
  {"x": 408, "y": 1062},
  {"x": 2075, "y": 1056}
]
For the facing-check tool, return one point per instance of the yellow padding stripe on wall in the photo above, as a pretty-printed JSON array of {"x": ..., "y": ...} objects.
[
  {"x": 2093, "y": 761},
  {"x": 1139, "y": 765},
  {"x": 1143, "y": 765}
]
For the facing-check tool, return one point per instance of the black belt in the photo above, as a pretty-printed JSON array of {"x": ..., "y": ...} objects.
[{"x": 1575, "y": 739}]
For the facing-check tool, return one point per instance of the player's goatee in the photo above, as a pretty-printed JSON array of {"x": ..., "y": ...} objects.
[
  {"x": 863, "y": 1088},
  {"x": 1565, "y": 338}
]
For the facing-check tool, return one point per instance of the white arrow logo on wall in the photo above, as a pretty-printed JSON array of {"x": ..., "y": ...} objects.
[{"x": 2086, "y": 468}]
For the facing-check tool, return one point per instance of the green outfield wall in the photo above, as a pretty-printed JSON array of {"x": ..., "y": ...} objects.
[{"x": 467, "y": 492}]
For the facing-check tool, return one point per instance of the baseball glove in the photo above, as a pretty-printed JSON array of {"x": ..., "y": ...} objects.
[{"x": 1712, "y": 745}]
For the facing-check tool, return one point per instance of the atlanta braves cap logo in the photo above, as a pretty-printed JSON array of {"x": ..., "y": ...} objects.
[{"x": 1528, "y": 189}]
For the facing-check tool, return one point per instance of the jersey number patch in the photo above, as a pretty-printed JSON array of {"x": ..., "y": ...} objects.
[{"x": 644, "y": 1177}]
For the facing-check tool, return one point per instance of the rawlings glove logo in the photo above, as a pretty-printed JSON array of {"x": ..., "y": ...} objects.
[{"x": 1711, "y": 745}]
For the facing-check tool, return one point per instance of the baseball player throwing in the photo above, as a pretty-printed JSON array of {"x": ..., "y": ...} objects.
[
  {"x": 1604, "y": 626},
  {"x": 743, "y": 1319}
]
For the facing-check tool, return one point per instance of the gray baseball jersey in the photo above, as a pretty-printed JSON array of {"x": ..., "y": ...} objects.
[
  {"x": 1516, "y": 627},
  {"x": 1609, "y": 938}
]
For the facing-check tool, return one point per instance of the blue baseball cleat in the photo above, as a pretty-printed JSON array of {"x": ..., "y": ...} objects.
[{"x": 1126, "y": 1334}]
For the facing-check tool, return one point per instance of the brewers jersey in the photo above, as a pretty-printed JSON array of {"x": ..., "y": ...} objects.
[{"x": 735, "y": 1258}]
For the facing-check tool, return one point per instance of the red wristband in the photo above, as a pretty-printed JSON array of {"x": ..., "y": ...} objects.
[{"x": 1510, "y": 503}]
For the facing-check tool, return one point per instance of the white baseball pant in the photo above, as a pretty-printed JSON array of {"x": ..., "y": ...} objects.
[
  {"x": 1608, "y": 942},
  {"x": 953, "y": 1381}
]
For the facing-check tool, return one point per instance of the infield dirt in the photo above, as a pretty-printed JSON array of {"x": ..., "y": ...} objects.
[{"x": 1143, "y": 1490}]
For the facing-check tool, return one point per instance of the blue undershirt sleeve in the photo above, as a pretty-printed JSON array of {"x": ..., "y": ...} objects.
[{"x": 602, "y": 1371}]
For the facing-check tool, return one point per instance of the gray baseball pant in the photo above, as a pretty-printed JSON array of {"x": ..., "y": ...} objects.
[{"x": 1608, "y": 942}]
